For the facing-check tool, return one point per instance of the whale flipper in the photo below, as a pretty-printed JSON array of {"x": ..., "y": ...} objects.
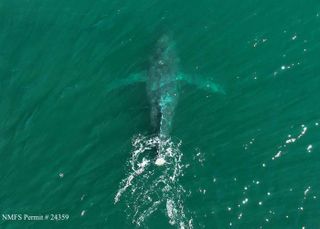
[
  {"x": 196, "y": 80},
  {"x": 201, "y": 83},
  {"x": 134, "y": 78}
]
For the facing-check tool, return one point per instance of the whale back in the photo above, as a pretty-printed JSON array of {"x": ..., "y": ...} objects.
[{"x": 162, "y": 87}]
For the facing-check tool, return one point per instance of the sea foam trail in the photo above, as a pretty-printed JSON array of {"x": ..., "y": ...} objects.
[{"x": 152, "y": 181}]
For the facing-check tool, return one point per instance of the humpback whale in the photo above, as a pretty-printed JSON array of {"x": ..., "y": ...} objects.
[{"x": 162, "y": 80}]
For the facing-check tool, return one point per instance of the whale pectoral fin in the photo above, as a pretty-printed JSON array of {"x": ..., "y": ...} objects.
[
  {"x": 131, "y": 79},
  {"x": 201, "y": 83}
]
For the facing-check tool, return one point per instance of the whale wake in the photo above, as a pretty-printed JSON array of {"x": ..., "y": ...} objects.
[{"x": 152, "y": 184}]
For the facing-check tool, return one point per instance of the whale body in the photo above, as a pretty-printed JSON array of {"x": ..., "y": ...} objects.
[
  {"x": 162, "y": 86},
  {"x": 162, "y": 80}
]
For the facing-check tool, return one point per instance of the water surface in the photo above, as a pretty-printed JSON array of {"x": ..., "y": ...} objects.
[{"x": 249, "y": 158}]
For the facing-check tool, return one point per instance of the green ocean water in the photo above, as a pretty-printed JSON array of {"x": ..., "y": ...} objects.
[{"x": 249, "y": 158}]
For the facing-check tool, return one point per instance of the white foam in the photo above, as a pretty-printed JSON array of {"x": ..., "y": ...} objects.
[
  {"x": 307, "y": 190},
  {"x": 309, "y": 148},
  {"x": 160, "y": 161},
  {"x": 146, "y": 189}
]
